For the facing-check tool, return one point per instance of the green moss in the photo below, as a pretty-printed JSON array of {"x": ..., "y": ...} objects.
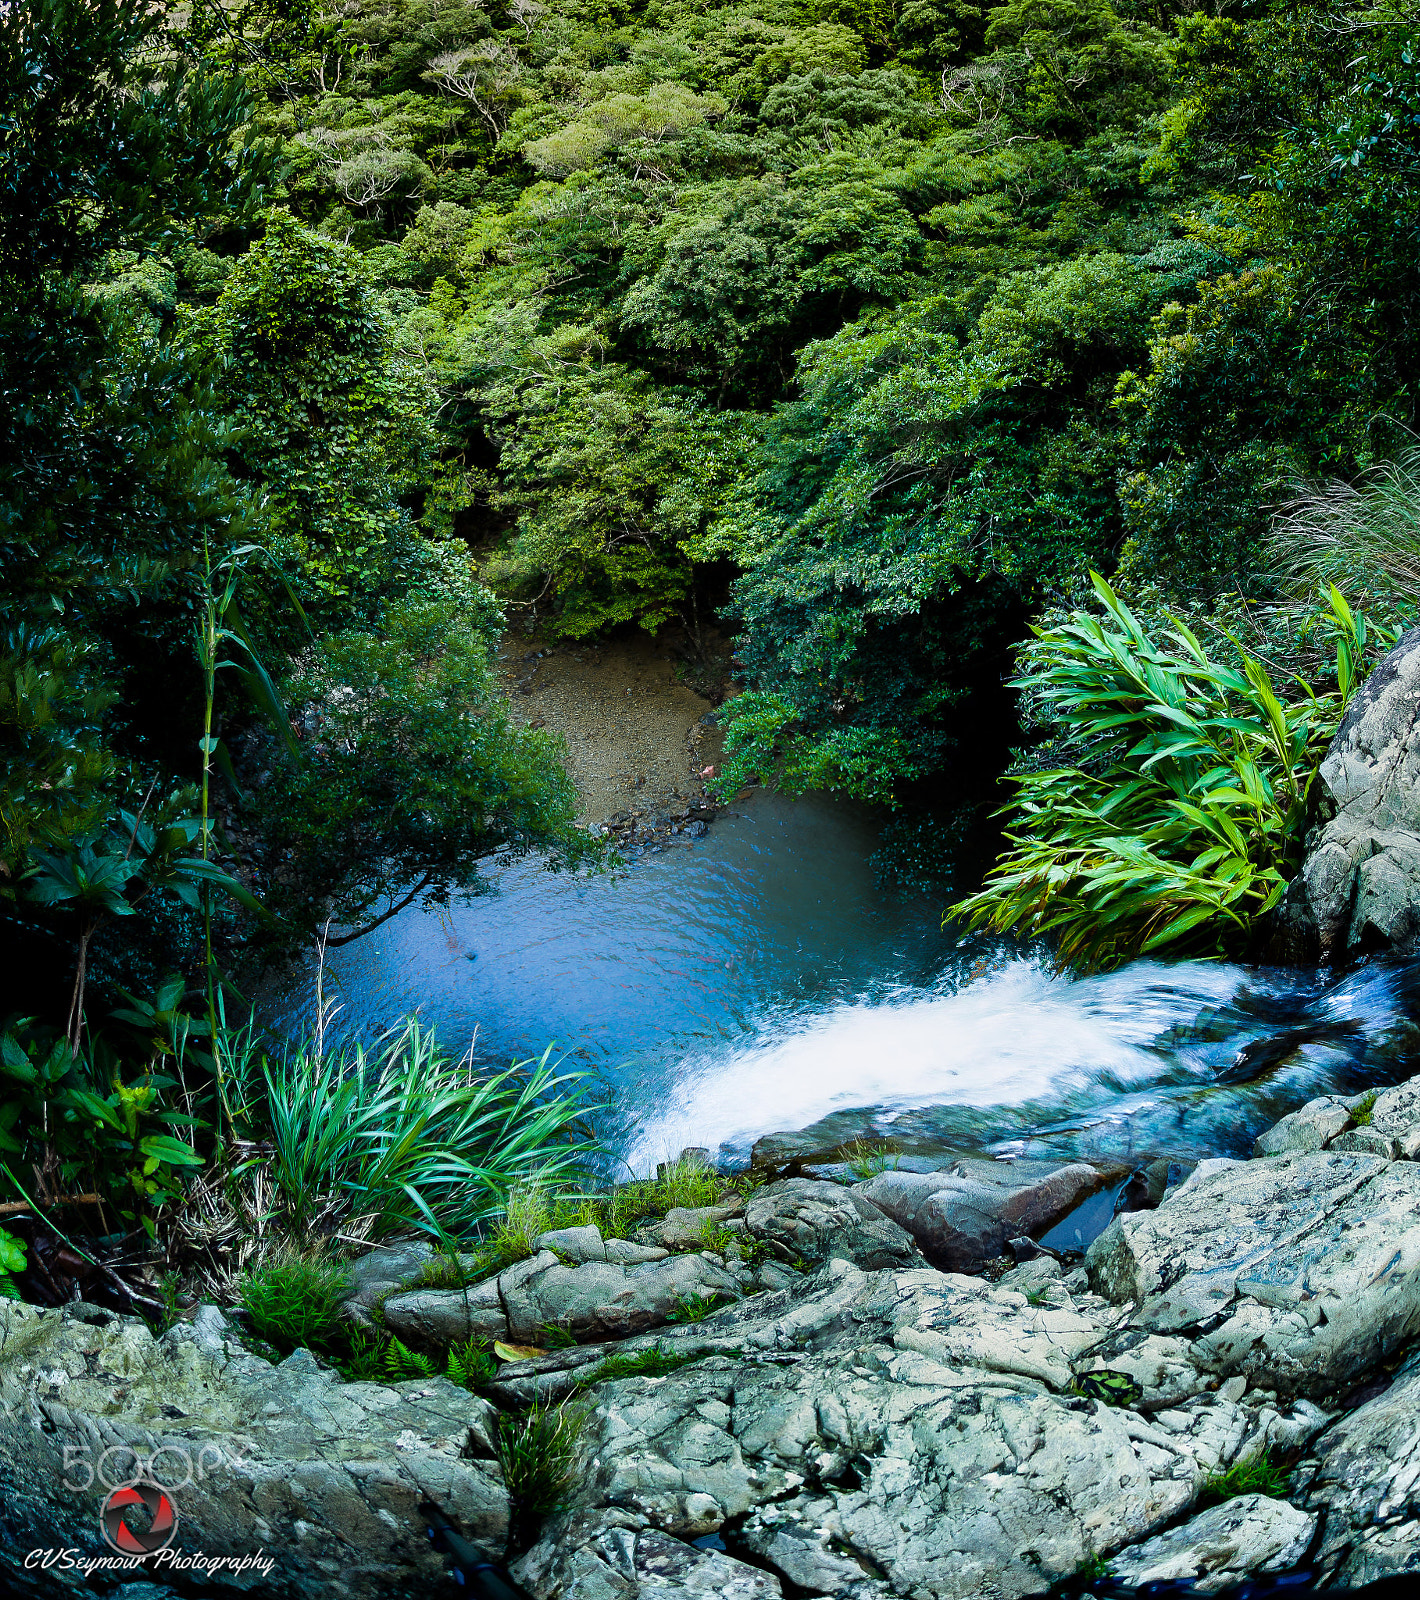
[
  {"x": 654, "y": 1362},
  {"x": 1361, "y": 1111}
]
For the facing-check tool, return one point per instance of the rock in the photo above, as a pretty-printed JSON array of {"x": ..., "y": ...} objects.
[
  {"x": 1366, "y": 1141},
  {"x": 801, "y": 1220},
  {"x": 626, "y": 1560},
  {"x": 596, "y": 1300},
  {"x": 963, "y": 1217},
  {"x": 1395, "y": 1115},
  {"x": 1313, "y": 1127},
  {"x": 324, "y": 1477},
  {"x": 896, "y": 1432},
  {"x": 1297, "y": 1272},
  {"x": 628, "y": 1254},
  {"x": 685, "y": 1227},
  {"x": 575, "y": 1244},
  {"x": 381, "y": 1271},
  {"x": 1366, "y": 1483},
  {"x": 1359, "y": 885},
  {"x": 1222, "y": 1545}
]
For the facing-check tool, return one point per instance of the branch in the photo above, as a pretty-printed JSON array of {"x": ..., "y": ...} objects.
[{"x": 394, "y": 910}]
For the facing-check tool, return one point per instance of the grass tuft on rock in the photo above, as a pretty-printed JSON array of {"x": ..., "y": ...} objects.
[
  {"x": 654, "y": 1362},
  {"x": 1260, "y": 1475},
  {"x": 537, "y": 1452}
]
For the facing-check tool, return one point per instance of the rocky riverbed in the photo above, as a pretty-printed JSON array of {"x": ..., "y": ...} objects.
[{"x": 901, "y": 1394}]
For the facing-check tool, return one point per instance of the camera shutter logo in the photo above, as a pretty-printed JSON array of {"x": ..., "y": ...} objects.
[{"x": 160, "y": 1508}]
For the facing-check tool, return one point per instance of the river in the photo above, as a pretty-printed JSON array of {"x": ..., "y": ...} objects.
[{"x": 759, "y": 979}]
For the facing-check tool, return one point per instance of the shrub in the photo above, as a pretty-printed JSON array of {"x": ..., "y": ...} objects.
[
  {"x": 295, "y": 1302},
  {"x": 1183, "y": 813}
]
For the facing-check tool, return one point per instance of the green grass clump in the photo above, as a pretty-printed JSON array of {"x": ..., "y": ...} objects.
[
  {"x": 294, "y": 1302},
  {"x": 1178, "y": 807},
  {"x": 696, "y": 1307},
  {"x": 866, "y": 1160},
  {"x": 402, "y": 1130},
  {"x": 654, "y": 1362},
  {"x": 1361, "y": 1111},
  {"x": 1260, "y": 1475},
  {"x": 537, "y": 1452}
]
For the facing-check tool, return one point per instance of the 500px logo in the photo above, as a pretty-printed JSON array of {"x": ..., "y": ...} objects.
[
  {"x": 169, "y": 1467},
  {"x": 117, "y": 1511}
]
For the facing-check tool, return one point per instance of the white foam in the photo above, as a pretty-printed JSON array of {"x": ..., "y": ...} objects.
[{"x": 1015, "y": 1033}]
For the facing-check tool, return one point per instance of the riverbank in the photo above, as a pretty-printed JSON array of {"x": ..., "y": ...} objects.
[
  {"x": 639, "y": 737},
  {"x": 791, "y": 1390}
]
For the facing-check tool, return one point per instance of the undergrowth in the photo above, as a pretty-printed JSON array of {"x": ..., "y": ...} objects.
[{"x": 295, "y": 1301}]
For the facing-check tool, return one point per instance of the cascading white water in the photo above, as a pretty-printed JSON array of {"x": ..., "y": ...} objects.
[{"x": 758, "y": 980}]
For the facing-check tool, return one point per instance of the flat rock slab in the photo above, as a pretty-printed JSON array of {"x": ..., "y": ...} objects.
[
  {"x": 1222, "y": 1545},
  {"x": 596, "y": 1300},
  {"x": 895, "y": 1432},
  {"x": 324, "y": 1476},
  {"x": 1298, "y": 1272},
  {"x": 812, "y": 1222},
  {"x": 965, "y": 1216}
]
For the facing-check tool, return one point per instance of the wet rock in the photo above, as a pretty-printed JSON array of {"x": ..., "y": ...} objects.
[
  {"x": 1395, "y": 1115},
  {"x": 895, "y": 1432},
  {"x": 1359, "y": 887},
  {"x": 629, "y": 1561},
  {"x": 1298, "y": 1272},
  {"x": 324, "y": 1476},
  {"x": 596, "y": 1300},
  {"x": 1222, "y": 1545},
  {"x": 1313, "y": 1127},
  {"x": 963, "y": 1217},
  {"x": 811, "y": 1222}
]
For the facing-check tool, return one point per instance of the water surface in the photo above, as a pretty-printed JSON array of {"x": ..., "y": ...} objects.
[{"x": 760, "y": 979}]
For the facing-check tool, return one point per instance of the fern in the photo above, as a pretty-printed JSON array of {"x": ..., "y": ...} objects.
[{"x": 402, "y": 1362}]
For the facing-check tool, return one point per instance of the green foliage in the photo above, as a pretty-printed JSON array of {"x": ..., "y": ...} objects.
[
  {"x": 537, "y": 1452},
  {"x": 12, "y": 1261},
  {"x": 294, "y": 1302},
  {"x": 410, "y": 776},
  {"x": 1260, "y": 1474},
  {"x": 653, "y": 1362},
  {"x": 400, "y": 1131},
  {"x": 88, "y": 1122},
  {"x": 1182, "y": 811},
  {"x": 402, "y": 1363},
  {"x": 1108, "y": 1386},
  {"x": 866, "y": 1158},
  {"x": 471, "y": 1364},
  {"x": 696, "y": 1307}
]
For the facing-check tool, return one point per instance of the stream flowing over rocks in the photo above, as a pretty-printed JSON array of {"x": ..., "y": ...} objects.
[{"x": 857, "y": 1422}]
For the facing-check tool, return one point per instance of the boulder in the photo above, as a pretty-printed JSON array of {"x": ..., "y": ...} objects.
[
  {"x": 586, "y": 1244},
  {"x": 1313, "y": 1127},
  {"x": 964, "y": 1217},
  {"x": 625, "y": 1560},
  {"x": 382, "y": 1271},
  {"x": 801, "y": 1220},
  {"x": 1359, "y": 885},
  {"x": 1299, "y": 1273},
  {"x": 1222, "y": 1545},
  {"x": 596, "y": 1300},
  {"x": 685, "y": 1227},
  {"x": 1365, "y": 1480},
  {"x": 1395, "y": 1116},
  {"x": 323, "y": 1477}
]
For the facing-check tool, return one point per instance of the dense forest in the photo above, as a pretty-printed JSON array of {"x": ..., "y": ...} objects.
[{"x": 866, "y": 334}]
